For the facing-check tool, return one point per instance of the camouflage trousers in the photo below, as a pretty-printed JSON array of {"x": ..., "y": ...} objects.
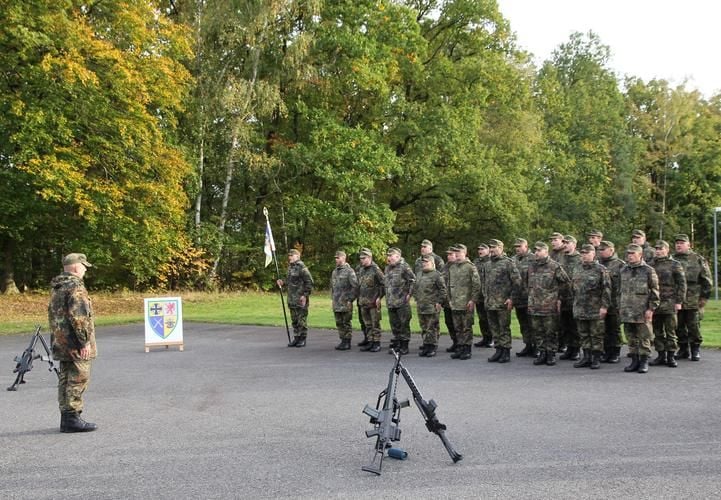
[
  {"x": 524, "y": 321},
  {"x": 499, "y": 321},
  {"x": 448, "y": 320},
  {"x": 664, "y": 332},
  {"x": 343, "y": 322},
  {"x": 640, "y": 337},
  {"x": 371, "y": 318},
  {"x": 483, "y": 319},
  {"x": 299, "y": 318},
  {"x": 463, "y": 325},
  {"x": 545, "y": 328},
  {"x": 430, "y": 327},
  {"x": 400, "y": 320},
  {"x": 568, "y": 335},
  {"x": 74, "y": 379},
  {"x": 612, "y": 328},
  {"x": 590, "y": 333},
  {"x": 688, "y": 330},
  {"x": 361, "y": 320}
]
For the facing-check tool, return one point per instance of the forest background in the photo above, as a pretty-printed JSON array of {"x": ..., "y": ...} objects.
[{"x": 150, "y": 135}]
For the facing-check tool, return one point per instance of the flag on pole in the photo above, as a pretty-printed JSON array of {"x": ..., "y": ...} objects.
[{"x": 269, "y": 243}]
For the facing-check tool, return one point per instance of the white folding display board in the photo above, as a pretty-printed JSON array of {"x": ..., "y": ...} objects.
[{"x": 163, "y": 322}]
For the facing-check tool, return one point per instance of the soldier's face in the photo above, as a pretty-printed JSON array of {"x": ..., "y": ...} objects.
[
  {"x": 428, "y": 265},
  {"x": 557, "y": 243},
  {"x": 638, "y": 240},
  {"x": 521, "y": 249},
  {"x": 365, "y": 261},
  {"x": 606, "y": 253},
  {"x": 569, "y": 247},
  {"x": 682, "y": 246},
  {"x": 393, "y": 258},
  {"x": 495, "y": 251},
  {"x": 293, "y": 258},
  {"x": 339, "y": 260},
  {"x": 661, "y": 252},
  {"x": 425, "y": 250},
  {"x": 594, "y": 240},
  {"x": 541, "y": 252},
  {"x": 633, "y": 257},
  {"x": 451, "y": 257},
  {"x": 482, "y": 252},
  {"x": 461, "y": 255},
  {"x": 587, "y": 257}
]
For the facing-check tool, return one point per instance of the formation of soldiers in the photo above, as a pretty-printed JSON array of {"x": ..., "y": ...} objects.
[{"x": 569, "y": 301}]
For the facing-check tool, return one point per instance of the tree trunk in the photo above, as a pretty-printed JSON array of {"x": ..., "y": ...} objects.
[
  {"x": 224, "y": 206},
  {"x": 7, "y": 282}
]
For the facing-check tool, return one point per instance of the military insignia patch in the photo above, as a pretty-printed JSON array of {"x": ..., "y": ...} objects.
[{"x": 163, "y": 316}]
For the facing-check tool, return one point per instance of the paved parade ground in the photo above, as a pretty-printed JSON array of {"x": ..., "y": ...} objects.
[{"x": 237, "y": 414}]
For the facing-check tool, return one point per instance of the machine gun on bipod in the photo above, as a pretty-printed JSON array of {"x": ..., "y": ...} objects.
[
  {"x": 25, "y": 360},
  {"x": 385, "y": 417}
]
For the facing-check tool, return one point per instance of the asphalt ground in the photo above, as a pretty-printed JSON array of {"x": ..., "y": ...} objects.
[{"x": 240, "y": 415}]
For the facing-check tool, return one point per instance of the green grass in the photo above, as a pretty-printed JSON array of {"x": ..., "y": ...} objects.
[{"x": 19, "y": 314}]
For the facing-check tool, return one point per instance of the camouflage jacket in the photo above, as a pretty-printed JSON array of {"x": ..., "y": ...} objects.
[
  {"x": 556, "y": 255},
  {"x": 591, "y": 290},
  {"x": 698, "y": 278},
  {"x": 437, "y": 260},
  {"x": 671, "y": 284},
  {"x": 344, "y": 286},
  {"x": 502, "y": 282},
  {"x": 371, "y": 285},
  {"x": 399, "y": 280},
  {"x": 464, "y": 285},
  {"x": 649, "y": 254},
  {"x": 299, "y": 283},
  {"x": 614, "y": 266},
  {"x": 481, "y": 263},
  {"x": 429, "y": 290},
  {"x": 570, "y": 262},
  {"x": 639, "y": 292},
  {"x": 522, "y": 262},
  {"x": 70, "y": 314},
  {"x": 545, "y": 279}
]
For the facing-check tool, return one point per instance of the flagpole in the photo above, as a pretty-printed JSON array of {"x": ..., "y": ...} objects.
[{"x": 277, "y": 274}]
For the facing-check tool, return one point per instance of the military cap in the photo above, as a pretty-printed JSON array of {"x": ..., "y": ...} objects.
[
  {"x": 682, "y": 237},
  {"x": 569, "y": 239},
  {"x": 427, "y": 258},
  {"x": 540, "y": 246},
  {"x": 76, "y": 258},
  {"x": 606, "y": 244},
  {"x": 426, "y": 243},
  {"x": 638, "y": 232},
  {"x": 587, "y": 248},
  {"x": 633, "y": 248},
  {"x": 482, "y": 245},
  {"x": 293, "y": 251},
  {"x": 452, "y": 249},
  {"x": 520, "y": 242},
  {"x": 394, "y": 250},
  {"x": 460, "y": 247},
  {"x": 365, "y": 252},
  {"x": 340, "y": 253},
  {"x": 495, "y": 243},
  {"x": 555, "y": 236},
  {"x": 661, "y": 244},
  {"x": 595, "y": 232}
]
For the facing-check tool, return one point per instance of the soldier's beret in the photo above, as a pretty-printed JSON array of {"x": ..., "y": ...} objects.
[
  {"x": 682, "y": 237},
  {"x": 365, "y": 252},
  {"x": 569, "y": 239},
  {"x": 394, "y": 251},
  {"x": 495, "y": 243},
  {"x": 460, "y": 247},
  {"x": 293, "y": 251},
  {"x": 340, "y": 253},
  {"x": 76, "y": 258},
  {"x": 482, "y": 245},
  {"x": 595, "y": 232},
  {"x": 540, "y": 246},
  {"x": 633, "y": 248},
  {"x": 426, "y": 243},
  {"x": 520, "y": 242},
  {"x": 661, "y": 244},
  {"x": 606, "y": 244},
  {"x": 555, "y": 236},
  {"x": 638, "y": 232},
  {"x": 427, "y": 258},
  {"x": 587, "y": 248}
]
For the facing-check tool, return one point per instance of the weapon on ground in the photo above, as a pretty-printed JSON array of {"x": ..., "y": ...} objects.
[
  {"x": 385, "y": 417},
  {"x": 25, "y": 360}
]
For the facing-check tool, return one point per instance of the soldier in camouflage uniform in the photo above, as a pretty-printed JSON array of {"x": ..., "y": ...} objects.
[
  {"x": 591, "y": 299},
  {"x": 464, "y": 290},
  {"x": 613, "y": 339},
  {"x": 480, "y": 263},
  {"x": 371, "y": 289},
  {"x": 557, "y": 250},
  {"x": 672, "y": 292},
  {"x": 545, "y": 279},
  {"x": 698, "y": 291},
  {"x": 594, "y": 238},
  {"x": 522, "y": 260},
  {"x": 399, "y": 280},
  {"x": 501, "y": 284},
  {"x": 447, "y": 312},
  {"x": 344, "y": 286},
  {"x": 639, "y": 299},
  {"x": 72, "y": 329},
  {"x": 430, "y": 293},
  {"x": 568, "y": 329},
  {"x": 300, "y": 285},
  {"x": 638, "y": 237},
  {"x": 427, "y": 249}
]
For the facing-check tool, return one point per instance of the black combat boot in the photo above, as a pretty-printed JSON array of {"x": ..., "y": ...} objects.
[
  {"x": 671, "y": 360},
  {"x": 300, "y": 342},
  {"x": 660, "y": 359},
  {"x": 453, "y": 347},
  {"x": 496, "y": 355},
  {"x": 595, "y": 360},
  {"x": 682, "y": 351},
  {"x": 369, "y": 346},
  {"x": 526, "y": 351},
  {"x": 71, "y": 422},
  {"x": 561, "y": 348},
  {"x": 375, "y": 347},
  {"x": 606, "y": 354},
  {"x": 423, "y": 350},
  {"x": 550, "y": 358},
  {"x": 585, "y": 362},
  {"x": 431, "y": 351},
  {"x": 634, "y": 364},
  {"x": 480, "y": 343},
  {"x": 614, "y": 355},
  {"x": 567, "y": 352},
  {"x": 695, "y": 352},
  {"x": 403, "y": 350},
  {"x": 643, "y": 364},
  {"x": 465, "y": 352},
  {"x": 293, "y": 342},
  {"x": 505, "y": 355},
  {"x": 343, "y": 346},
  {"x": 364, "y": 342},
  {"x": 576, "y": 355},
  {"x": 540, "y": 358},
  {"x": 393, "y": 346}
]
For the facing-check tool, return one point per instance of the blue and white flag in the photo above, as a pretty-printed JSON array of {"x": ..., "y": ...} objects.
[{"x": 269, "y": 248}]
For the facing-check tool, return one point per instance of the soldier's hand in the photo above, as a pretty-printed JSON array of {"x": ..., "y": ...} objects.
[
  {"x": 677, "y": 307},
  {"x": 378, "y": 303},
  {"x": 438, "y": 307},
  {"x": 558, "y": 306},
  {"x": 471, "y": 306},
  {"x": 82, "y": 353},
  {"x": 509, "y": 304},
  {"x": 302, "y": 300},
  {"x": 602, "y": 312},
  {"x": 279, "y": 283},
  {"x": 701, "y": 303},
  {"x": 648, "y": 315}
]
